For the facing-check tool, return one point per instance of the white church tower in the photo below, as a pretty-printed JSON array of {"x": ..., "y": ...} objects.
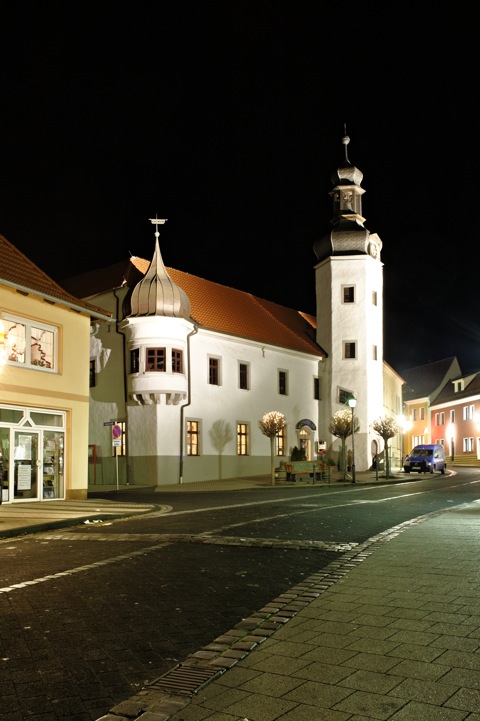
[{"x": 349, "y": 296}]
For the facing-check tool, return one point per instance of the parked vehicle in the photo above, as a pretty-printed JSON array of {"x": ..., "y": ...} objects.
[{"x": 426, "y": 458}]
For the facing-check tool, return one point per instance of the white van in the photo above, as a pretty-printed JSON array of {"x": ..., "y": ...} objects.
[{"x": 426, "y": 458}]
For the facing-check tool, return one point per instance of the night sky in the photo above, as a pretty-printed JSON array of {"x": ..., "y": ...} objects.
[{"x": 227, "y": 118}]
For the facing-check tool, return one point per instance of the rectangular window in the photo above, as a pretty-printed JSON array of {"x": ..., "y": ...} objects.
[
  {"x": 414, "y": 414},
  {"x": 135, "y": 360},
  {"x": 243, "y": 376},
  {"x": 348, "y": 293},
  {"x": 177, "y": 361},
  {"x": 374, "y": 297},
  {"x": 468, "y": 445},
  {"x": 156, "y": 359},
  {"x": 374, "y": 352},
  {"x": 452, "y": 416},
  {"x": 344, "y": 396},
  {"x": 440, "y": 442},
  {"x": 282, "y": 383},
  {"x": 242, "y": 439},
  {"x": 214, "y": 371},
  {"x": 31, "y": 344},
  {"x": 349, "y": 349},
  {"x": 316, "y": 389},
  {"x": 281, "y": 442},
  {"x": 422, "y": 414},
  {"x": 92, "y": 376},
  {"x": 193, "y": 438}
]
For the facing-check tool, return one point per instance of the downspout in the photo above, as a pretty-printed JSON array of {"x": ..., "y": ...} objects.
[
  {"x": 189, "y": 400},
  {"x": 125, "y": 395}
]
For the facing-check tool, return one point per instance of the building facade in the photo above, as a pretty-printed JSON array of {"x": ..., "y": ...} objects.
[
  {"x": 189, "y": 367},
  {"x": 44, "y": 384}
]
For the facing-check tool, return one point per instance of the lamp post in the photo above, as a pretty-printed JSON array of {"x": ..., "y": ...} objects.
[{"x": 352, "y": 402}]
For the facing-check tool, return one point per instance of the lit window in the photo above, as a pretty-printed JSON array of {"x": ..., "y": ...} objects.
[
  {"x": 30, "y": 344},
  {"x": 242, "y": 439},
  {"x": 468, "y": 445},
  {"x": 193, "y": 438},
  {"x": 281, "y": 442}
]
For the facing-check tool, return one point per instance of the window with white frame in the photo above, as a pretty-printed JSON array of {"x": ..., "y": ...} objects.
[
  {"x": 467, "y": 445},
  {"x": 452, "y": 416},
  {"x": 468, "y": 412},
  {"x": 30, "y": 343},
  {"x": 422, "y": 414},
  {"x": 243, "y": 376},
  {"x": 414, "y": 414},
  {"x": 214, "y": 371},
  {"x": 440, "y": 419}
]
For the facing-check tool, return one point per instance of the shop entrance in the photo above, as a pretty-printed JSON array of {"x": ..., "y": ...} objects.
[{"x": 32, "y": 463}]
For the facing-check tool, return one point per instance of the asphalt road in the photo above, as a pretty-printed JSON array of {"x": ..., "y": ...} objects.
[{"x": 102, "y": 609}]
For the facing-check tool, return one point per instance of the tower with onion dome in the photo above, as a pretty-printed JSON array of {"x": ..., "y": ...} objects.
[{"x": 349, "y": 299}]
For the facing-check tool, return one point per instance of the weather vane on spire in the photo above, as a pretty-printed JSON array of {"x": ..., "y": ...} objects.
[
  {"x": 345, "y": 141},
  {"x": 158, "y": 221}
]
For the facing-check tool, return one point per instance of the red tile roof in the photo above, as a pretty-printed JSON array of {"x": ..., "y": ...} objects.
[
  {"x": 18, "y": 271},
  {"x": 220, "y": 308}
]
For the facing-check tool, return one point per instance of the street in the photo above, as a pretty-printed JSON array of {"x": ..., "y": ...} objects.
[{"x": 92, "y": 613}]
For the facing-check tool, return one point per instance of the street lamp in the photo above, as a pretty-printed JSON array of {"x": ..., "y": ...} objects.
[{"x": 352, "y": 402}]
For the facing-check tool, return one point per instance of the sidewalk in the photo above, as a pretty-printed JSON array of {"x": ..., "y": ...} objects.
[{"x": 390, "y": 632}]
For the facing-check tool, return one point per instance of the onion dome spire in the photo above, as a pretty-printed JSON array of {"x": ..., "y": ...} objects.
[{"x": 157, "y": 294}]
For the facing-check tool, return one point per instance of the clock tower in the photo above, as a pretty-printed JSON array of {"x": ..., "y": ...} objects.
[{"x": 349, "y": 296}]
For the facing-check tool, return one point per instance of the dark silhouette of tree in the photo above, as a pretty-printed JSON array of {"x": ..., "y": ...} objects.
[{"x": 220, "y": 434}]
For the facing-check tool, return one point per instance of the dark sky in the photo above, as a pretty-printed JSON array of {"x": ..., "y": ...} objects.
[{"x": 227, "y": 118}]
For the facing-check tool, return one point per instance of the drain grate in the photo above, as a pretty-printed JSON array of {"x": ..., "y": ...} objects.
[{"x": 186, "y": 680}]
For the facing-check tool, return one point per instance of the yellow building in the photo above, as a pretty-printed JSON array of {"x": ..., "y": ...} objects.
[{"x": 44, "y": 383}]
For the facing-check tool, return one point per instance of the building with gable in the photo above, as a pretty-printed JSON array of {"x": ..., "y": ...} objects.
[
  {"x": 44, "y": 383},
  {"x": 188, "y": 367}
]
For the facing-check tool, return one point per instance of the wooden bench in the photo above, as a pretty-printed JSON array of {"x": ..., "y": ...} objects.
[{"x": 316, "y": 469}]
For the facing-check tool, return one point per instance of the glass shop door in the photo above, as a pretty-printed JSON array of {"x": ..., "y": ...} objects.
[{"x": 26, "y": 465}]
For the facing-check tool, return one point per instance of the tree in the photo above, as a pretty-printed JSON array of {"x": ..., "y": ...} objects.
[
  {"x": 220, "y": 434},
  {"x": 386, "y": 427},
  {"x": 340, "y": 426},
  {"x": 270, "y": 425}
]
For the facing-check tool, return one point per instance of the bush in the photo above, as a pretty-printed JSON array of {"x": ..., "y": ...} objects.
[{"x": 298, "y": 454}]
